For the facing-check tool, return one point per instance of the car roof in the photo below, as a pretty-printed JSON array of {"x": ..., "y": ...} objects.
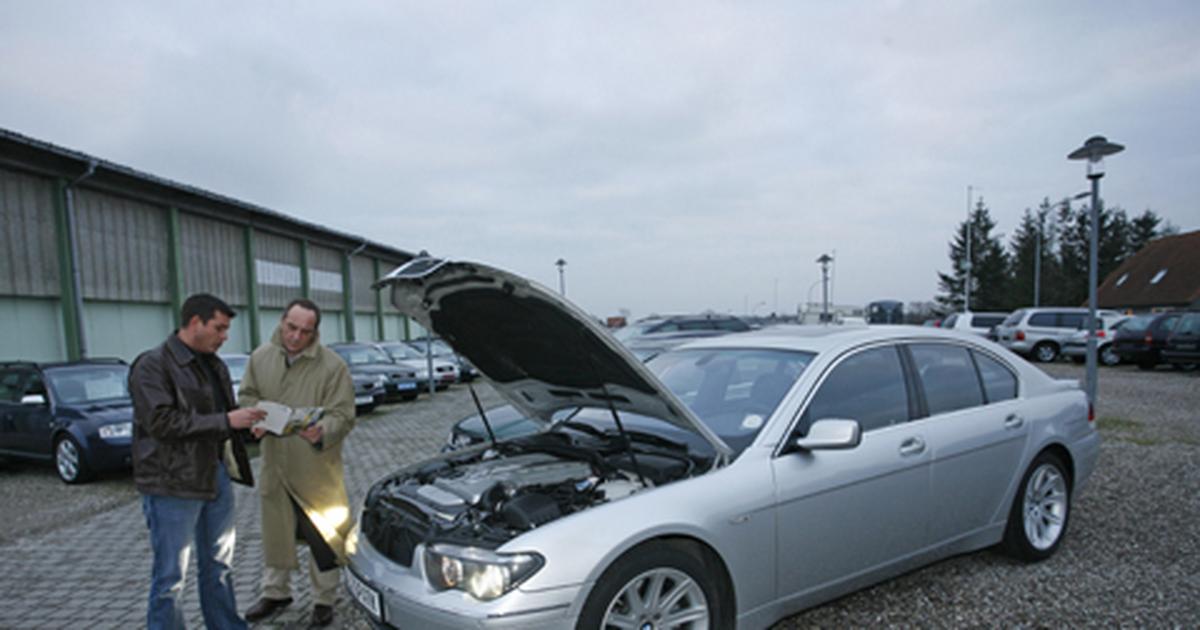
[
  {"x": 823, "y": 338},
  {"x": 61, "y": 364}
]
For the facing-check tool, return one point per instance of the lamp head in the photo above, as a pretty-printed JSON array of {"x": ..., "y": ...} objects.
[{"x": 1094, "y": 151}]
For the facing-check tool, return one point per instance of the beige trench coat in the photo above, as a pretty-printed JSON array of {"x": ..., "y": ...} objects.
[{"x": 292, "y": 467}]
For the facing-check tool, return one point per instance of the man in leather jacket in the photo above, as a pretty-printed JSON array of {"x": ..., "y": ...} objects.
[{"x": 187, "y": 448}]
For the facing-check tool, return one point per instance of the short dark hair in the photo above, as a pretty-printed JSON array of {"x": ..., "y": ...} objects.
[
  {"x": 204, "y": 306},
  {"x": 305, "y": 304}
]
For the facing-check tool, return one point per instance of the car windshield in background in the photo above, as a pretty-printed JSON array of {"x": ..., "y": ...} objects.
[
  {"x": 733, "y": 391},
  {"x": 401, "y": 351},
  {"x": 439, "y": 347},
  {"x": 634, "y": 330},
  {"x": 363, "y": 356},
  {"x": 1014, "y": 318},
  {"x": 1138, "y": 323},
  {"x": 90, "y": 384},
  {"x": 237, "y": 367}
]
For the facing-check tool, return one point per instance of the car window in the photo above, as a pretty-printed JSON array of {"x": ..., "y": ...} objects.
[
  {"x": 665, "y": 327},
  {"x": 1137, "y": 323},
  {"x": 986, "y": 321},
  {"x": 363, "y": 355},
  {"x": 1168, "y": 323},
  {"x": 947, "y": 377},
  {"x": 949, "y": 321},
  {"x": 1014, "y": 318},
  {"x": 12, "y": 384},
  {"x": 868, "y": 387},
  {"x": 1188, "y": 325},
  {"x": 732, "y": 325},
  {"x": 999, "y": 382},
  {"x": 1042, "y": 319},
  {"x": 89, "y": 384},
  {"x": 696, "y": 324},
  {"x": 733, "y": 391},
  {"x": 1072, "y": 320}
]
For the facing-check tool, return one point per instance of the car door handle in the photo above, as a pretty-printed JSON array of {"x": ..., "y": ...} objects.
[
  {"x": 912, "y": 446},
  {"x": 1013, "y": 421}
]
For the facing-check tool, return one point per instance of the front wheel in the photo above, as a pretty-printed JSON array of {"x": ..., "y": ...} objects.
[
  {"x": 69, "y": 461},
  {"x": 661, "y": 586},
  {"x": 1038, "y": 519},
  {"x": 1108, "y": 356},
  {"x": 1045, "y": 352}
]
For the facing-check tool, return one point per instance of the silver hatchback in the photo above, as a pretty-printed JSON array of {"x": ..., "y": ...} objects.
[
  {"x": 1040, "y": 333},
  {"x": 725, "y": 483}
]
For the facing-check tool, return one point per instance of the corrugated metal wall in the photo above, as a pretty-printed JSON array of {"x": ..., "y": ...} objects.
[
  {"x": 122, "y": 248},
  {"x": 28, "y": 256},
  {"x": 325, "y": 277},
  {"x": 363, "y": 270},
  {"x": 277, "y": 265},
  {"x": 213, "y": 254}
]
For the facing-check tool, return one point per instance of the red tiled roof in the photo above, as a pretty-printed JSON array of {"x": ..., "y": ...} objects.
[{"x": 1178, "y": 257}]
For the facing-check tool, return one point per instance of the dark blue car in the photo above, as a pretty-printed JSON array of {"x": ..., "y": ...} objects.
[{"x": 78, "y": 415}]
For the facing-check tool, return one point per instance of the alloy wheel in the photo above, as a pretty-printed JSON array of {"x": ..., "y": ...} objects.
[
  {"x": 1045, "y": 506},
  {"x": 658, "y": 599},
  {"x": 66, "y": 458}
]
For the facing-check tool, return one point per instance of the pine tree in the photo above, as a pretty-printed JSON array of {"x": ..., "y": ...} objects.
[
  {"x": 1142, "y": 230},
  {"x": 989, "y": 266}
]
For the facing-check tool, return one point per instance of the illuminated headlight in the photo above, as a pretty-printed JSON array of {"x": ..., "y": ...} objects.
[
  {"x": 115, "y": 431},
  {"x": 484, "y": 574}
]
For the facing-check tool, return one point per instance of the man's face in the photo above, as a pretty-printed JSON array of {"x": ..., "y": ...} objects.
[
  {"x": 207, "y": 337},
  {"x": 299, "y": 327}
]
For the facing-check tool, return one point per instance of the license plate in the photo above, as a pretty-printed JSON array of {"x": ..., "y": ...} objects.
[
  {"x": 363, "y": 400},
  {"x": 366, "y": 596},
  {"x": 406, "y": 385}
]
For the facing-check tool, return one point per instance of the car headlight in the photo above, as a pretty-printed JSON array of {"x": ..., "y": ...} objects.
[
  {"x": 115, "y": 431},
  {"x": 482, "y": 573},
  {"x": 381, "y": 380}
]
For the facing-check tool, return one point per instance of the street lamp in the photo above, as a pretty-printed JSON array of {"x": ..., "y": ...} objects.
[
  {"x": 1093, "y": 151},
  {"x": 562, "y": 278},
  {"x": 825, "y": 259}
]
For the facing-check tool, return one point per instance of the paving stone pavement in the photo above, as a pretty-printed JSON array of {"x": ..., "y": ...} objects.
[{"x": 96, "y": 573}]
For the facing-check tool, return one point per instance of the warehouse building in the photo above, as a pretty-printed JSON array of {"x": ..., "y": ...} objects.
[{"x": 96, "y": 259}]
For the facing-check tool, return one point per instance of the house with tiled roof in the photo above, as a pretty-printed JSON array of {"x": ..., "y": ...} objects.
[{"x": 1163, "y": 276}]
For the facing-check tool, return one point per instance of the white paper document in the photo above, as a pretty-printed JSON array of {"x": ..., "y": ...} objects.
[{"x": 282, "y": 419}]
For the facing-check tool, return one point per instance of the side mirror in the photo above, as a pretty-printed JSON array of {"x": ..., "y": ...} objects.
[
  {"x": 831, "y": 434},
  {"x": 33, "y": 400}
]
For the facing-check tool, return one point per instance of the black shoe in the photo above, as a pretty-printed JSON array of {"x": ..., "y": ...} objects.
[
  {"x": 322, "y": 616},
  {"x": 266, "y": 607}
]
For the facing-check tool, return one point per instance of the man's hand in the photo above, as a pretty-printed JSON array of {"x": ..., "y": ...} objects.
[
  {"x": 258, "y": 432},
  {"x": 244, "y": 417},
  {"x": 312, "y": 434}
]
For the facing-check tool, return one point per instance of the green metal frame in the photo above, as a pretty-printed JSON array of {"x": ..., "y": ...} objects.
[
  {"x": 65, "y": 264},
  {"x": 305, "y": 289},
  {"x": 348, "y": 297},
  {"x": 252, "y": 289},
  {"x": 380, "y": 327},
  {"x": 174, "y": 262}
]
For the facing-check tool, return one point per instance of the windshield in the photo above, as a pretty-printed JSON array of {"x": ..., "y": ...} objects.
[
  {"x": 636, "y": 329},
  {"x": 237, "y": 367},
  {"x": 401, "y": 351},
  {"x": 90, "y": 384},
  {"x": 1013, "y": 319},
  {"x": 733, "y": 391},
  {"x": 439, "y": 347},
  {"x": 363, "y": 355}
]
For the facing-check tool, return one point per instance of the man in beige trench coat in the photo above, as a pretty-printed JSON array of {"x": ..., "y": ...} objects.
[{"x": 302, "y": 486}]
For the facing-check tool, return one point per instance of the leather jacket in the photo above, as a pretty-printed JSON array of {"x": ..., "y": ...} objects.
[{"x": 179, "y": 434}]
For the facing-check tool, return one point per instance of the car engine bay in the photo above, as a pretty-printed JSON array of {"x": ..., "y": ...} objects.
[{"x": 486, "y": 497}]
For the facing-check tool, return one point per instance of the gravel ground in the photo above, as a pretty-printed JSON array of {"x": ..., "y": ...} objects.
[{"x": 1131, "y": 557}]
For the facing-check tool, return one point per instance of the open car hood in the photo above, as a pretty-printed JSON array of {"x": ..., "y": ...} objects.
[{"x": 540, "y": 352}]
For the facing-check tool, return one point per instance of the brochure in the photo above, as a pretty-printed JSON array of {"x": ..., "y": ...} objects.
[{"x": 283, "y": 420}]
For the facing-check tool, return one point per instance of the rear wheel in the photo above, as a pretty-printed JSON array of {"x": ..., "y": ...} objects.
[
  {"x": 1108, "y": 356},
  {"x": 69, "y": 461},
  {"x": 661, "y": 586},
  {"x": 1040, "y": 512},
  {"x": 1045, "y": 352}
]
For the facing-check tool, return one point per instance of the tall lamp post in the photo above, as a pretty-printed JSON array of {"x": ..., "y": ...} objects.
[
  {"x": 562, "y": 277},
  {"x": 825, "y": 259},
  {"x": 967, "y": 264},
  {"x": 1093, "y": 151}
]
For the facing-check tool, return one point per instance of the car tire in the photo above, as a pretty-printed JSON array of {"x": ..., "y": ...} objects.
[
  {"x": 665, "y": 566},
  {"x": 1108, "y": 356},
  {"x": 1040, "y": 512},
  {"x": 1045, "y": 352},
  {"x": 69, "y": 461}
]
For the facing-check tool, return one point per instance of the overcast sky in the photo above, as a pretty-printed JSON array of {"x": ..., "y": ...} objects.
[{"x": 680, "y": 156}]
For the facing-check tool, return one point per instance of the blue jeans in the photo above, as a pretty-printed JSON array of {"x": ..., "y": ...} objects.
[{"x": 177, "y": 526}]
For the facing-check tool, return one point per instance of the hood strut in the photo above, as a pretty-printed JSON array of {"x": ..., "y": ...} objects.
[{"x": 486, "y": 424}]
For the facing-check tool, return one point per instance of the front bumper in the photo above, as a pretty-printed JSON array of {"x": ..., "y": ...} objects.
[
  {"x": 102, "y": 454},
  {"x": 407, "y": 600}
]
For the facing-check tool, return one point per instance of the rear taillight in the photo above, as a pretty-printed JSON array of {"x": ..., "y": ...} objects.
[
  {"x": 1100, "y": 333},
  {"x": 1149, "y": 339},
  {"x": 1020, "y": 336},
  {"x": 1091, "y": 412}
]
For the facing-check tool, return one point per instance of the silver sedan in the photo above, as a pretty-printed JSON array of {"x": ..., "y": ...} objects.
[{"x": 727, "y": 483}]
